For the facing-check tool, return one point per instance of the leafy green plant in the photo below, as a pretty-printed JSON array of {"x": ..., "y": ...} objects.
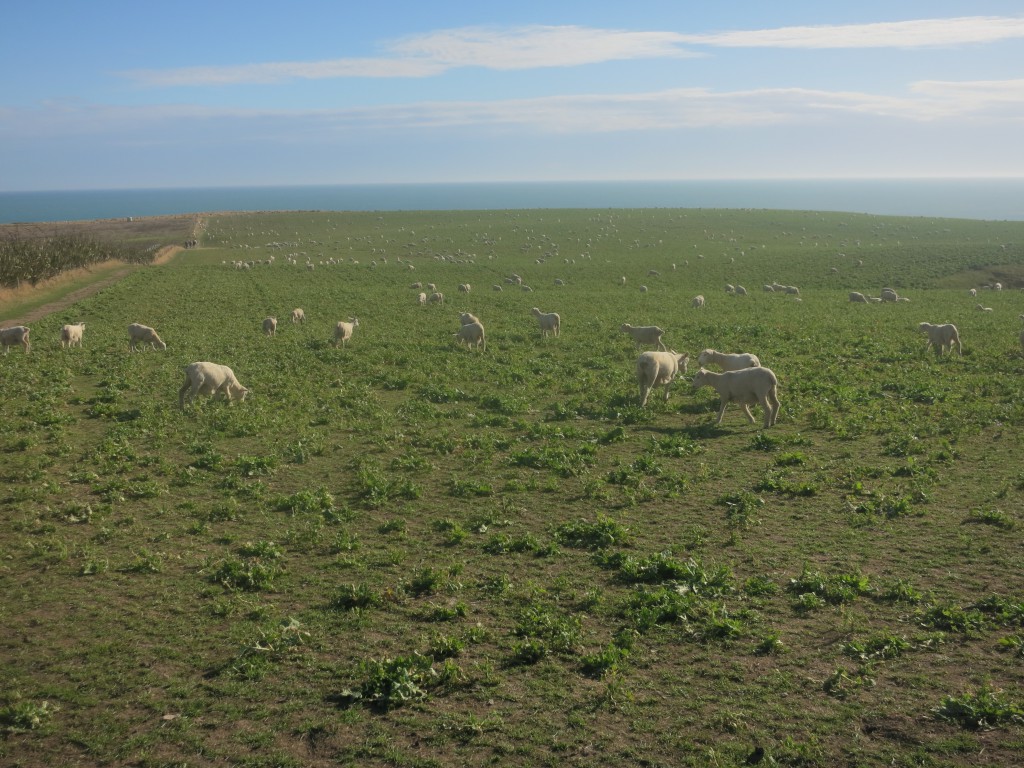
[{"x": 986, "y": 708}]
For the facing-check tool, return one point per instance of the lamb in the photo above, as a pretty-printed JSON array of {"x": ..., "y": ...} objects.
[
  {"x": 16, "y": 334},
  {"x": 210, "y": 379},
  {"x": 972, "y": 292},
  {"x": 421, "y": 298},
  {"x": 436, "y": 298},
  {"x": 343, "y": 331},
  {"x": 888, "y": 294},
  {"x": 71, "y": 335},
  {"x": 143, "y": 334},
  {"x": 645, "y": 334},
  {"x": 942, "y": 337},
  {"x": 473, "y": 334},
  {"x": 698, "y": 301},
  {"x": 270, "y": 326},
  {"x": 728, "y": 362},
  {"x": 981, "y": 308},
  {"x": 747, "y": 387},
  {"x": 464, "y": 287},
  {"x": 549, "y": 321},
  {"x": 858, "y": 298},
  {"x": 298, "y": 316},
  {"x": 655, "y": 369}
]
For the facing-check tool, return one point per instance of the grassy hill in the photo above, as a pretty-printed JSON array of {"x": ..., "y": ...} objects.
[{"x": 408, "y": 553}]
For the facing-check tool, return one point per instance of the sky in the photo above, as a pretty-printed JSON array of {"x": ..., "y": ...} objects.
[{"x": 218, "y": 93}]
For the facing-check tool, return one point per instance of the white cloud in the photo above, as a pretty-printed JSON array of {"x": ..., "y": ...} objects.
[
  {"x": 532, "y": 47},
  {"x": 893, "y": 34}
]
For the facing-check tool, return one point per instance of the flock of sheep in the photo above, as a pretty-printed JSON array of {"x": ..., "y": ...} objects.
[{"x": 742, "y": 380}]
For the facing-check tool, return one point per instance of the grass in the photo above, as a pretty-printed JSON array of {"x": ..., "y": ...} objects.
[{"x": 406, "y": 553}]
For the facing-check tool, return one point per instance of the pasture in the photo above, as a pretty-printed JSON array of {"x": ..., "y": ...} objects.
[{"x": 404, "y": 552}]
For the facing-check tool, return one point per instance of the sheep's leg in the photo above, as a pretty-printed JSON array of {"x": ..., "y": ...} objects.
[
  {"x": 746, "y": 410},
  {"x": 181, "y": 393},
  {"x": 644, "y": 391},
  {"x": 773, "y": 400},
  {"x": 721, "y": 411}
]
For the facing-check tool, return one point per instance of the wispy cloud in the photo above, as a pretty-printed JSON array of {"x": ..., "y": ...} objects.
[
  {"x": 534, "y": 47},
  {"x": 669, "y": 109},
  {"x": 893, "y": 34}
]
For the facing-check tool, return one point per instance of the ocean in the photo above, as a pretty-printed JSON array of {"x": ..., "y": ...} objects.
[{"x": 992, "y": 199}]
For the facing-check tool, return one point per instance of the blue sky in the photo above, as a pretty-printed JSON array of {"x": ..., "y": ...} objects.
[{"x": 112, "y": 95}]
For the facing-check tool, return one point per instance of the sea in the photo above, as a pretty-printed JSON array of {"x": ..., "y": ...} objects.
[{"x": 987, "y": 199}]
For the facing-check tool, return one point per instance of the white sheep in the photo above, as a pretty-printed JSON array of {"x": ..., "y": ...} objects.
[
  {"x": 71, "y": 335},
  {"x": 210, "y": 379},
  {"x": 549, "y": 321},
  {"x": 464, "y": 287},
  {"x": 792, "y": 290},
  {"x": 858, "y": 298},
  {"x": 654, "y": 369},
  {"x": 436, "y": 298},
  {"x": 645, "y": 334},
  {"x": 889, "y": 295},
  {"x": 942, "y": 337},
  {"x": 698, "y": 301},
  {"x": 421, "y": 298},
  {"x": 270, "y": 326},
  {"x": 981, "y": 308},
  {"x": 343, "y": 330},
  {"x": 741, "y": 291},
  {"x": 473, "y": 334},
  {"x": 622, "y": 280},
  {"x": 643, "y": 289},
  {"x": 972, "y": 292},
  {"x": 746, "y": 388},
  {"x": 416, "y": 286},
  {"x": 298, "y": 316},
  {"x": 16, "y": 334},
  {"x": 497, "y": 288},
  {"x": 728, "y": 361},
  {"x": 143, "y": 334}
]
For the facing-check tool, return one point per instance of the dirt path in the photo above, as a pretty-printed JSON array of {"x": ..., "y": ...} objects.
[{"x": 163, "y": 256}]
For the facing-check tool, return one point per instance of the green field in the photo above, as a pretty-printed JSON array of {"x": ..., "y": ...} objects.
[{"x": 407, "y": 553}]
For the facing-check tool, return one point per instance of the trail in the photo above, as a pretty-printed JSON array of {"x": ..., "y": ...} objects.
[{"x": 163, "y": 256}]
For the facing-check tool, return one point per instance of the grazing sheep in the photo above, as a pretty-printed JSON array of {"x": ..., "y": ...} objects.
[
  {"x": 465, "y": 318},
  {"x": 654, "y": 369},
  {"x": 741, "y": 291},
  {"x": 16, "y": 334},
  {"x": 767, "y": 288},
  {"x": 981, "y": 308},
  {"x": 210, "y": 379},
  {"x": 71, "y": 335},
  {"x": 497, "y": 288},
  {"x": 270, "y": 326},
  {"x": 972, "y": 292},
  {"x": 422, "y": 298},
  {"x": 698, "y": 301},
  {"x": 653, "y": 273},
  {"x": 549, "y": 321},
  {"x": 792, "y": 290},
  {"x": 643, "y": 289},
  {"x": 473, "y": 334},
  {"x": 436, "y": 298},
  {"x": 746, "y": 388},
  {"x": 889, "y": 295},
  {"x": 343, "y": 331},
  {"x": 298, "y": 316},
  {"x": 997, "y": 286},
  {"x": 730, "y": 288},
  {"x": 431, "y": 287},
  {"x": 644, "y": 334},
  {"x": 143, "y": 334},
  {"x": 728, "y": 361},
  {"x": 942, "y": 337},
  {"x": 622, "y": 280},
  {"x": 464, "y": 287},
  {"x": 416, "y": 286},
  {"x": 858, "y": 298}
]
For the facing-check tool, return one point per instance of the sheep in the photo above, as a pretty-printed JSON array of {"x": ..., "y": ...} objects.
[
  {"x": 549, "y": 321},
  {"x": 421, "y": 298},
  {"x": 622, "y": 280},
  {"x": 210, "y": 379},
  {"x": 473, "y": 334},
  {"x": 643, "y": 289},
  {"x": 730, "y": 288},
  {"x": 16, "y": 334},
  {"x": 889, "y": 295},
  {"x": 270, "y": 326},
  {"x": 767, "y": 288},
  {"x": 436, "y": 298},
  {"x": 698, "y": 301},
  {"x": 981, "y": 308},
  {"x": 942, "y": 337},
  {"x": 645, "y": 334},
  {"x": 497, "y": 288},
  {"x": 143, "y": 334},
  {"x": 973, "y": 292},
  {"x": 464, "y": 287},
  {"x": 416, "y": 286},
  {"x": 728, "y": 361},
  {"x": 792, "y": 290},
  {"x": 741, "y": 291},
  {"x": 343, "y": 331},
  {"x": 655, "y": 369},
  {"x": 298, "y": 316},
  {"x": 747, "y": 387},
  {"x": 858, "y": 298},
  {"x": 71, "y": 335},
  {"x": 465, "y": 318},
  {"x": 431, "y": 287},
  {"x": 653, "y": 273},
  {"x": 997, "y": 286}
]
